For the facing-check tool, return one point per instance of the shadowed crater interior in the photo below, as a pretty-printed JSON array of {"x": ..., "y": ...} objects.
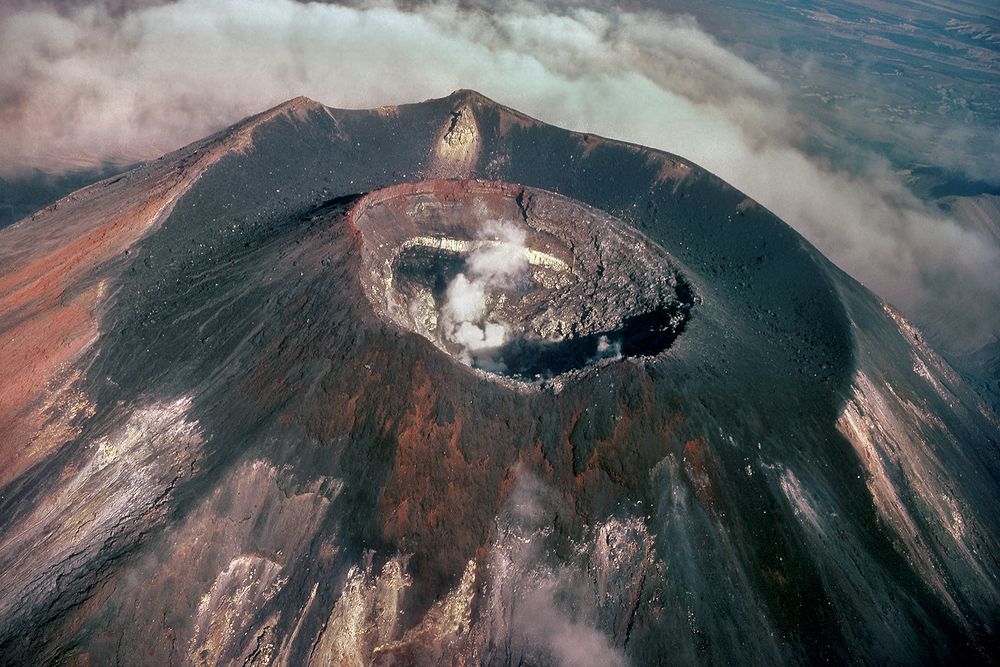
[{"x": 515, "y": 281}]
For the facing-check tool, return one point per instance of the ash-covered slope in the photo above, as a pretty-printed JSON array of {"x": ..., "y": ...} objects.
[{"x": 441, "y": 384}]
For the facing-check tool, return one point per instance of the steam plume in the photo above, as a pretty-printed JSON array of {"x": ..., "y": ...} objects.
[{"x": 497, "y": 264}]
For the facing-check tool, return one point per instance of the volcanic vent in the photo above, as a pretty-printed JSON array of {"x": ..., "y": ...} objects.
[{"x": 516, "y": 281}]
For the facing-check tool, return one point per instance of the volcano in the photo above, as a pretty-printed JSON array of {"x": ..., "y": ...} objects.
[{"x": 442, "y": 384}]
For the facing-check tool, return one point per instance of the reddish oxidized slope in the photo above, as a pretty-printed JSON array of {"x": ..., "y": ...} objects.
[{"x": 54, "y": 281}]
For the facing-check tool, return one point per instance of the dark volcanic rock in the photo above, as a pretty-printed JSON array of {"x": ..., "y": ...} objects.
[{"x": 441, "y": 384}]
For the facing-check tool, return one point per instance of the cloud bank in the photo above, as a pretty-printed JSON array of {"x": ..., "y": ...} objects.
[{"x": 85, "y": 85}]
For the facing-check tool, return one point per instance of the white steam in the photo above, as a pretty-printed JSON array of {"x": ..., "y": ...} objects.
[
  {"x": 544, "y": 613},
  {"x": 82, "y": 85},
  {"x": 606, "y": 349},
  {"x": 497, "y": 264}
]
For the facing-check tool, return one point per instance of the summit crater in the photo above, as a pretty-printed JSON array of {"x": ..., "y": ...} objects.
[{"x": 517, "y": 282}]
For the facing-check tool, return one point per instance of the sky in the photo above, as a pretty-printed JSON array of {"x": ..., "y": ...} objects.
[{"x": 88, "y": 83}]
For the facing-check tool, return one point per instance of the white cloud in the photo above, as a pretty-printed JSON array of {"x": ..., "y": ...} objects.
[{"x": 80, "y": 87}]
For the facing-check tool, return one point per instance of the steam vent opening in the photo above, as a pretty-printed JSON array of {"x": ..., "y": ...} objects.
[{"x": 515, "y": 281}]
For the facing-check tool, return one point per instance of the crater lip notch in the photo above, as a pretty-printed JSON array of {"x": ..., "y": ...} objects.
[{"x": 522, "y": 284}]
